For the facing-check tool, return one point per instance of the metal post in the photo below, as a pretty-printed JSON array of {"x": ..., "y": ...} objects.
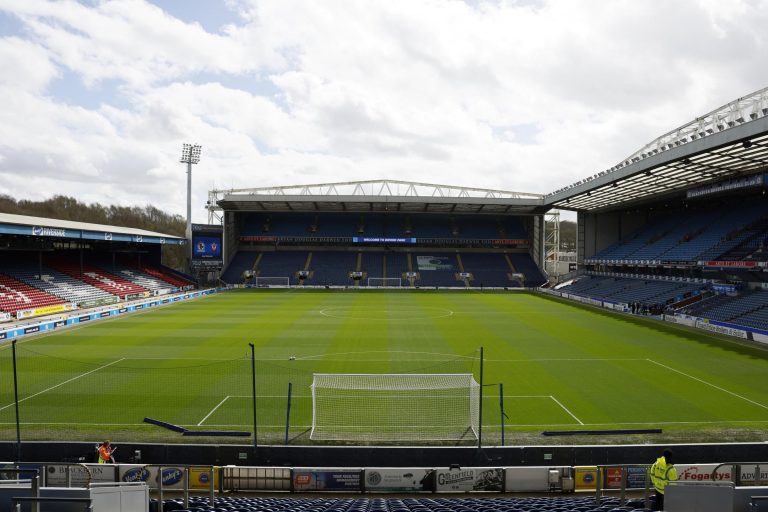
[
  {"x": 623, "y": 494},
  {"x": 598, "y": 494},
  {"x": 186, "y": 486},
  {"x": 16, "y": 402},
  {"x": 288, "y": 413},
  {"x": 36, "y": 493},
  {"x": 480, "y": 415},
  {"x": 68, "y": 475},
  {"x": 646, "y": 491},
  {"x": 253, "y": 397},
  {"x": 160, "y": 489},
  {"x": 212, "y": 487},
  {"x": 501, "y": 409}
]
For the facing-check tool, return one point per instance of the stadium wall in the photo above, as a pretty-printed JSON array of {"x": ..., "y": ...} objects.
[{"x": 315, "y": 456}]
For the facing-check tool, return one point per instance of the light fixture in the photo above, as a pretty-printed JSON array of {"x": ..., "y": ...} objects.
[{"x": 747, "y": 144}]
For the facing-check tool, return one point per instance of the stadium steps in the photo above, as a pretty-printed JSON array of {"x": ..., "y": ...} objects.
[{"x": 165, "y": 276}]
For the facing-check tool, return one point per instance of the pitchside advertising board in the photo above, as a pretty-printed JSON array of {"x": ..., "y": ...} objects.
[
  {"x": 329, "y": 479},
  {"x": 469, "y": 479},
  {"x": 207, "y": 247},
  {"x": 398, "y": 480}
]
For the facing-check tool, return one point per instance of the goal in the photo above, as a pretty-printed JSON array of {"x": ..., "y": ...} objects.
[
  {"x": 268, "y": 282},
  {"x": 385, "y": 282},
  {"x": 395, "y": 407}
]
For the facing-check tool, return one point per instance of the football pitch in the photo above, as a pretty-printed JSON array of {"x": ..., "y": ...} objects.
[{"x": 562, "y": 366}]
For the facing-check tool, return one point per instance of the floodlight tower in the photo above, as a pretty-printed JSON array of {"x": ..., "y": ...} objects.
[{"x": 190, "y": 154}]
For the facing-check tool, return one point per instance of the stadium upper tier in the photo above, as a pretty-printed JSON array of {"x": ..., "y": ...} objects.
[
  {"x": 706, "y": 232},
  {"x": 382, "y": 225}
]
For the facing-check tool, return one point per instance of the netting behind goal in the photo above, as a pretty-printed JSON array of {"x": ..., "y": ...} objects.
[
  {"x": 272, "y": 281},
  {"x": 385, "y": 282},
  {"x": 395, "y": 407}
]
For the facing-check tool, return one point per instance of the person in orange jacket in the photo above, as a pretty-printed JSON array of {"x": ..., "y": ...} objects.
[{"x": 105, "y": 453}]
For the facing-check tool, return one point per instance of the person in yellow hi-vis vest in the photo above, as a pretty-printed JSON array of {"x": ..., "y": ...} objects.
[
  {"x": 105, "y": 453},
  {"x": 662, "y": 472}
]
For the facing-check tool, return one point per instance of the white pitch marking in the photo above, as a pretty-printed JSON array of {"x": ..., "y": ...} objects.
[
  {"x": 212, "y": 411},
  {"x": 566, "y": 410},
  {"x": 709, "y": 384},
  {"x": 65, "y": 382}
]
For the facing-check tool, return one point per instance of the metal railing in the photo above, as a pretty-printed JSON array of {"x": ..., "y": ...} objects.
[{"x": 622, "y": 490}]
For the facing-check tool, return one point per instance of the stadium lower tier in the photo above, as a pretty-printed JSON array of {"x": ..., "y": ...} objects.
[
  {"x": 31, "y": 286},
  {"x": 531, "y": 504},
  {"x": 647, "y": 292},
  {"x": 384, "y": 268}
]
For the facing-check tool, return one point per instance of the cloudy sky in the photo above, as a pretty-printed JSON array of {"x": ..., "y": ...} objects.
[{"x": 98, "y": 96}]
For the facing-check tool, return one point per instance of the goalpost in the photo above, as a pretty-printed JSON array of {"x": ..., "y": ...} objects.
[
  {"x": 395, "y": 407},
  {"x": 385, "y": 282},
  {"x": 268, "y": 282}
]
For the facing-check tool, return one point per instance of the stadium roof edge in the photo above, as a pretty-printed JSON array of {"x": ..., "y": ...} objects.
[
  {"x": 378, "y": 195},
  {"x": 739, "y": 150},
  {"x": 24, "y": 220}
]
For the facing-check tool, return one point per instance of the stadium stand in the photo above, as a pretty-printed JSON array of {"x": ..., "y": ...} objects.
[
  {"x": 281, "y": 264},
  {"x": 648, "y": 292},
  {"x": 487, "y": 269},
  {"x": 338, "y": 504},
  {"x": 331, "y": 267},
  {"x": 167, "y": 276},
  {"x": 372, "y": 264},
  {"x": 100, "y": 279},
  {"x": 396, "y": 265},
  {"x": 703, "y": 234},
  {"x": 16, "y": 295},
  {"x": 56, "y": 283},
  {"x": 437, "y": 269},
  {"x": 242, "y": 261},
  {"x": 749, "y": 309},
  {"x": 524, "y": 264}
]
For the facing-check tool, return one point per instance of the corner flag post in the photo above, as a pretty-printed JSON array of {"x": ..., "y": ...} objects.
[
  {"x": 253, "y": 396},
  {"x": 480, "y": 414}
]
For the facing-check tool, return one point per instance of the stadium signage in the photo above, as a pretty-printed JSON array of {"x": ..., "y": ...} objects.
[
  {"x": 471, "y": 479},
  {"x": 382, "y": 240},
  {"x": 3, "y": 335},
  {"x": 59, "y": 323},
  {"x": 398, "y": 479},
  {"x": 750, "y": 181},
  {"x": 326, "y": 480},
  {"x": 33, "y": 329},
  {"x": 41, "y": 231},
  {"x": 84, "y": 318},
  {"x": 171, "y": 476},
  {"x": 4, "y": 317},
  {"x": 732, "y": 264},
  {"x": 136, "y": 475}
]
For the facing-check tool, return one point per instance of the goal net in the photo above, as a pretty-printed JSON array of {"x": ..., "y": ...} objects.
[
  {"x": 395, "y": 407},
  {"x": 267, "y": 282},
  {"x": 385, "y": 282}
]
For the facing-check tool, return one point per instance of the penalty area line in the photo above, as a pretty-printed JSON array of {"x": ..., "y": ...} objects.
[
  {"x": 566, "y": 410},
  {"x": 65, "y": 382},
  {"x": 709, "y": 384},
  {"x": 212, "y": 411}
]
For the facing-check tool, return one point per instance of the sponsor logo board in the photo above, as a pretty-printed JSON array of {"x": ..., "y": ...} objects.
[
  {"x": 398, "y": 479},
  {"x": 469, "y": 479},
  {"x": 326, "y": 480},
  {"x": 41, "y": 231},
  {"x": 80, "y": 475}
]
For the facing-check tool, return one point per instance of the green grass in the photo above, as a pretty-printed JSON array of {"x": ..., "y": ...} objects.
[{"x": 563, "y": 367}]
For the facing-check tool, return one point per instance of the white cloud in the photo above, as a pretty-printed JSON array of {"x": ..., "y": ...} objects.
[{"x": 492, "y": 94}]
